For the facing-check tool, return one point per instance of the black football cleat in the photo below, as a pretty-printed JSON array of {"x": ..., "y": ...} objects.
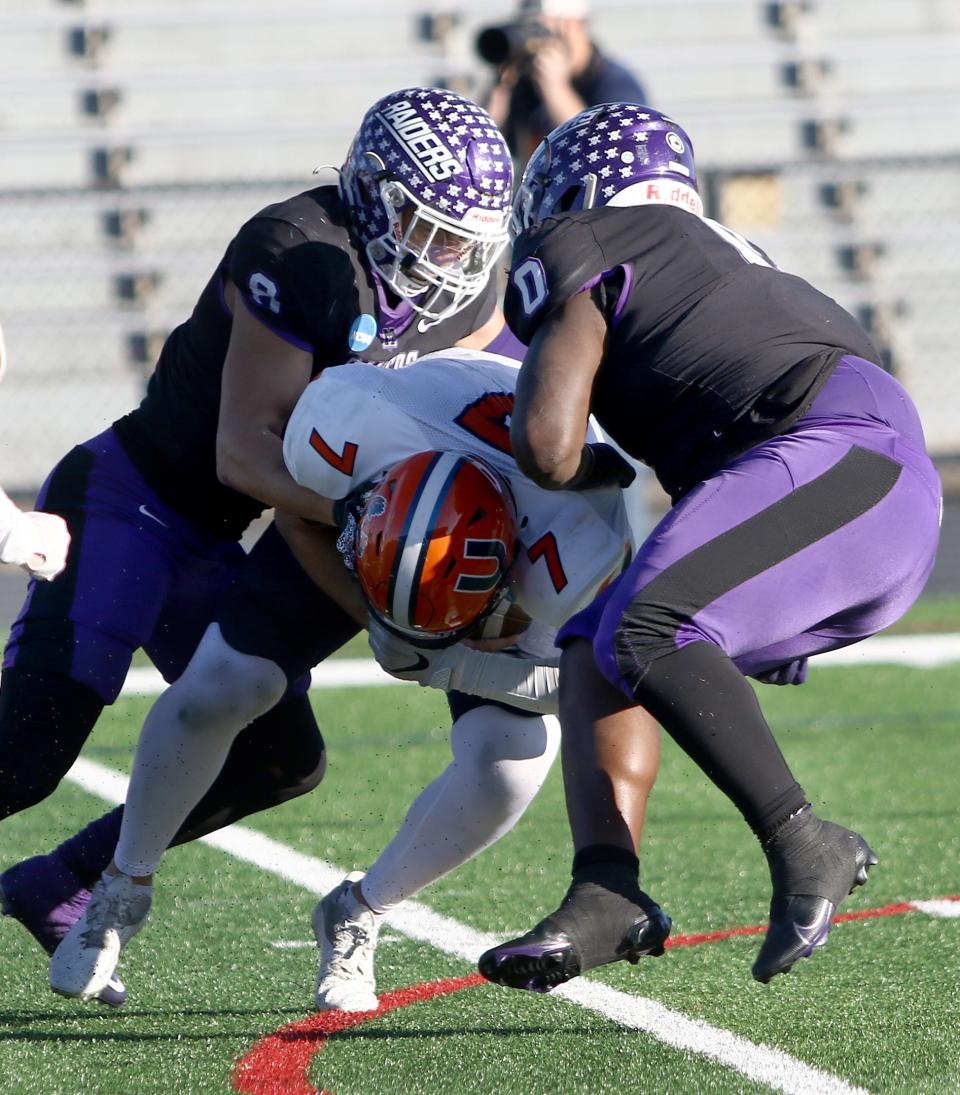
[
  {"x": 814, "y": 865},
  {"x": 592, "y": 927}
]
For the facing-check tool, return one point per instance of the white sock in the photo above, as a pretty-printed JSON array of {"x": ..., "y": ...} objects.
[
  {"x": 184, "y": 742},
  {"x": 500, "y": 760}
]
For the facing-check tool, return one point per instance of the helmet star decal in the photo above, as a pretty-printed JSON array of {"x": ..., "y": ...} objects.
[{"x": 428, "y": 181}]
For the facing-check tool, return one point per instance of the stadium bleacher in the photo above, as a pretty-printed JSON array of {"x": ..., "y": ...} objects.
[{"x": 137, "y": 135}]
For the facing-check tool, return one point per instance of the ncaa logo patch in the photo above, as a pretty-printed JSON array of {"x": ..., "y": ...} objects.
[{"x": 363, "y": 331}]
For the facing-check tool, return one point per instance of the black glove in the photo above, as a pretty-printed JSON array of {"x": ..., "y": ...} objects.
[
  {"x": 346, "y": 515},
  {"x": 602, "y": 466}
]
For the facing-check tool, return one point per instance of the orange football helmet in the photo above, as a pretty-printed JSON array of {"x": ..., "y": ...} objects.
[{"x": 435, "y": 544}]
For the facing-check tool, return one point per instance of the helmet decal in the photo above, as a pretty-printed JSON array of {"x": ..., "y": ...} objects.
[
  {"x": 616, "y": 154},
  {"x": 435, "y": 546},
  {"x": 428, "y": 181},
  {"x": 424, "y": 146}
]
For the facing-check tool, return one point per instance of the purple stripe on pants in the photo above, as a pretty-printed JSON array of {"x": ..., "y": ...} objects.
[{"x": 842, "y": 588}]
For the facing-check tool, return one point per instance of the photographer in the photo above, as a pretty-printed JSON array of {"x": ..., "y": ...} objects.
[{"x": 549, "y": 69}]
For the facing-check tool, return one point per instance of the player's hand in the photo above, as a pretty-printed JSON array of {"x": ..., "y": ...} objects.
[
  {"x": 406, "y": 662},
  {"x": 602, "y": 466},
  {"x": 346, "y": 514},
  {"x": 38, "y": 542},
  {"x": 794, "y": 672}
]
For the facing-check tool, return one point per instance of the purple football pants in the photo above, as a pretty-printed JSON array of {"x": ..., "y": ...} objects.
[
  {"x": 138, "y": 575},
  {"x": 810, "y": 541}
]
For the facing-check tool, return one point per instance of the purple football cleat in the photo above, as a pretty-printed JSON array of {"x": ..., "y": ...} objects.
[{"x": 47, "y": 898}]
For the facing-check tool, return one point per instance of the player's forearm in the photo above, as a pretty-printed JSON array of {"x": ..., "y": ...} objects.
[
  {"x": 252, "y": 463},
  {"x": 531, "y": 686},
  {"x": 315, "y": 550},
  {"x": 554, "y": 389},
  {"x": 521, "y": 682},
  {"x": 561, "y": 103},
  {"x": 546, "y": 455}
]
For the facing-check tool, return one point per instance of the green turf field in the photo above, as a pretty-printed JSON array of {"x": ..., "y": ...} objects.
[{"x": 878, "y": 1009}]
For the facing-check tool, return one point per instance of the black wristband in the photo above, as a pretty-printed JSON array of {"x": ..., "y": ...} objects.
[{"x": 601, "y": 466}]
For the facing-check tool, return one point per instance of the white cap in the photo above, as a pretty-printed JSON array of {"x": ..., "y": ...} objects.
[{"x": 563, "y": 9}]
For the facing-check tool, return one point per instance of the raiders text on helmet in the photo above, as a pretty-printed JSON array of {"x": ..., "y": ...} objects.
[{"x": 428, "y": 180}]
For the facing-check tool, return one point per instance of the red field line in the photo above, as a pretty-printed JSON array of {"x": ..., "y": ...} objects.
[
  {"x": 695, "y": 939},
  {"x": 278, "y": 1064}
]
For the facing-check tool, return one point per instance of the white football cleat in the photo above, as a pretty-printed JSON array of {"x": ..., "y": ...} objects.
[
  {"x": 84, "y": 963},
  {"x": 346, "y": 932}
]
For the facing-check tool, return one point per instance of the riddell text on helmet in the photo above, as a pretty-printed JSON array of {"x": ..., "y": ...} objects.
[
  {"x": 683, "y": 196},
  {"x": 433, "y": 157}
]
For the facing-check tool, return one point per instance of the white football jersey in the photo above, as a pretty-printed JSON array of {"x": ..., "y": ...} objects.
[{"x": 357, "y": 420}]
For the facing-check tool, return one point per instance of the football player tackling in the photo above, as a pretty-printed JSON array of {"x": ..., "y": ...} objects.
[
  {"x": 442, "y": 538},
  {"x": 391, "y": 261},
  {"x": 805, "y": 512}
]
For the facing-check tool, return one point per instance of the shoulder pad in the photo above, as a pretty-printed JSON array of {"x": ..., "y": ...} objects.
[
  {"x": 286, "y": 259},
  {"x": 344, "y": 431},
  {"x": 551, "y": 263}
]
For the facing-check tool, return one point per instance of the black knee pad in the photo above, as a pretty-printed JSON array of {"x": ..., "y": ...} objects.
[
  {"x": 45, "y": 718},
  {"x": 460, "y": 703},
  {"x": 279, "y": 756},
  {"x": 289, "y": 747}
]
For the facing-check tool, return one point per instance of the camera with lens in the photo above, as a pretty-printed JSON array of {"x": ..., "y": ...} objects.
[{"x": 516, "y": 43}]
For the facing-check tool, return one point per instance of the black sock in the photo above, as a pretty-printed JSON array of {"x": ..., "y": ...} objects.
[
  {"x": 595, "y": 854},
  {"x": 710, "y": 710},
  {"x": 45, "y": 718}
]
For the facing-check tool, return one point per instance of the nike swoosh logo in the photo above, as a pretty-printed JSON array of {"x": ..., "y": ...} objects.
[
  {"x": 420, "y": 663},
  {"x": 153, "y": 516}
]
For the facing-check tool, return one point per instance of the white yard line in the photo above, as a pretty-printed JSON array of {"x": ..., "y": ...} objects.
[
  {"x": 756, "y": 1061},
  {"x": 945, "y": 908},
  {"x": 917, "y": 651},
  {"x": 921, "y": 651}
]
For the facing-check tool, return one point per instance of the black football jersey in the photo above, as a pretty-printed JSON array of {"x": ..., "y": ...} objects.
[
  {"x": 299, "y": 270},
  {"x": 711, "y": 348}
]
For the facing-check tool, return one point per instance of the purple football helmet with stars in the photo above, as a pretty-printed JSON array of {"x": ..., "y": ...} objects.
[
  {"x": 428, "y": 181},
  {"x": 615, "y": 154}
]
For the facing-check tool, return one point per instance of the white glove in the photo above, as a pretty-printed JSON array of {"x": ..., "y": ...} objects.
[
  {"x": 407, "y": 662},
  {"x": 38, "y": 542},
  {"x": 520, "y": 681}
]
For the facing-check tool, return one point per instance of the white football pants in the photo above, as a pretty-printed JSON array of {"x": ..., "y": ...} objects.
[{"x": 500, "y": 760}]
